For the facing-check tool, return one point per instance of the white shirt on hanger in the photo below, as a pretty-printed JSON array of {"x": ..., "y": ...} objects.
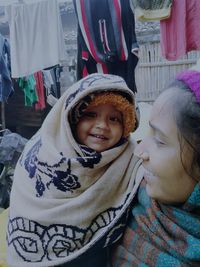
[{"x": 36, "y": 36}]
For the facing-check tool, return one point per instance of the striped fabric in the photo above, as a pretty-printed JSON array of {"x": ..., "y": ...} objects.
[
  {"x": 106, "y": 39},
  {"x": 161, "y": 235},
  {"x": 86, "y": 21}
]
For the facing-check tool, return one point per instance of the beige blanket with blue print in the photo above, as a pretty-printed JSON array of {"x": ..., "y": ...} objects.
[{"x": 67, "y": 198}]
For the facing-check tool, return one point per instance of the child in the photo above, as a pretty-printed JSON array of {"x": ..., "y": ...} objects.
[{"x": 74, "y": 181}]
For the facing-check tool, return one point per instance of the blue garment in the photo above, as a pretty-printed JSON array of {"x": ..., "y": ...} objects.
[{"x": 6, "y": 87}]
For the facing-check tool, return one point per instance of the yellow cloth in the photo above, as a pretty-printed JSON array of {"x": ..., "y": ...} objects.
[
  {"x": 3, "y": 223},
  {"x": 146, "y": 10}
]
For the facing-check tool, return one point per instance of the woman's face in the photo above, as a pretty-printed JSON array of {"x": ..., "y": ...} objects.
[{"x": 166, "y": 179}]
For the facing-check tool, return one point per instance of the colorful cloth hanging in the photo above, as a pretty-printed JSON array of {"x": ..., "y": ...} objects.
[
  {"x": 40, "y": 91},
  {"x": 28, "y": 85},
  {"x": 106, "y": 39},
  {"x": 181, "y": 32}
]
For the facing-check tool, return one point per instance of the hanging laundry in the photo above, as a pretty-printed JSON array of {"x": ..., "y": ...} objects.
[
  {"x": 36, "y": 36},
  {"x": 6, "y": 86},
  {"x": 181, "y": 32},
  {"x": 106, "y": 39},
  {"x": 40, "y": 91},
  {"x": 28, "y": 85},
  {"x": 50, "y": 83},
  {"x": 54, "y": 73},
  {"x": 66, "y": 79},
  {"x": 146, "y": 10}
]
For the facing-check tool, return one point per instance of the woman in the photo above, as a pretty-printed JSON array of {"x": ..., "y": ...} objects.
[{"x": 164, "y": 225}]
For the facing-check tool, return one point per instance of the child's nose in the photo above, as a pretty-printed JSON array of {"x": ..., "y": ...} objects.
[
  {"x": 141, "y": 152},
  {"x": 102, "y": 123}
]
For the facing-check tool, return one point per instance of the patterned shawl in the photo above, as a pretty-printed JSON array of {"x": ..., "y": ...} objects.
[
  {"x": 161, "y": 235},
  {"x": 66, "y": 198}
]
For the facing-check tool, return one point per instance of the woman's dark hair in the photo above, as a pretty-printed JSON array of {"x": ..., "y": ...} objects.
[{"x": 187, "y": 116}]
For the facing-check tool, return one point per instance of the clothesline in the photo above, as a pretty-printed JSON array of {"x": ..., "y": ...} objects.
[{"x": 4, "y": 3}]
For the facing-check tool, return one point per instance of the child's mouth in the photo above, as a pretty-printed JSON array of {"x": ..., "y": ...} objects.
[{"x": 98, "y": 136}]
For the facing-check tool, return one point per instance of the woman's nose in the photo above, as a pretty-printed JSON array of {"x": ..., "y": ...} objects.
[{"x": 140, "y": 151}]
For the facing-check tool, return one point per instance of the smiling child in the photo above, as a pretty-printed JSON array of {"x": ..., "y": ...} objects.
[{"x": 75, "y": 180}]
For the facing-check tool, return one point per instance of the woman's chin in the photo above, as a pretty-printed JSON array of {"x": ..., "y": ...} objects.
[{"x": 150, "y": 191}]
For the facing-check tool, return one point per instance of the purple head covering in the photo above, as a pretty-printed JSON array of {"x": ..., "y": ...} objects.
[{"x": 192, "y": 79}]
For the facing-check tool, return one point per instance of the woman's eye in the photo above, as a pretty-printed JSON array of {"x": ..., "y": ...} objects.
[{"x": 158, "y": 141}]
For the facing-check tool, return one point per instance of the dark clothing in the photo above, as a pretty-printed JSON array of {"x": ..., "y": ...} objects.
[
  {"x": 6, "y": 86},
  {"x": 92, "y": 258},
  {"x": 106, "y": 39}
]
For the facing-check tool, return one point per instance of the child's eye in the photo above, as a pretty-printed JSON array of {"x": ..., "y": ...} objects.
[
  {"x": 116, "y": 119},
  {"x": 90, "y": 114}
]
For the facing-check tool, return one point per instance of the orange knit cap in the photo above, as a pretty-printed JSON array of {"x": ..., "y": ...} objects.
[{"x": 121, "y": 104}]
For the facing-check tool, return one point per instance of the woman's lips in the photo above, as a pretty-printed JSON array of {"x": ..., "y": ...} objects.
[{"x": 148, "y": 176}]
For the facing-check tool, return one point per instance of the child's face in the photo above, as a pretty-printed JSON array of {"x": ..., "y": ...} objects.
[{"x": 100, "y": 127}]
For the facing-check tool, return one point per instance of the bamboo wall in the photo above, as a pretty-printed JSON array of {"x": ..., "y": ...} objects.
[{"x": 154, "y": 72}]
